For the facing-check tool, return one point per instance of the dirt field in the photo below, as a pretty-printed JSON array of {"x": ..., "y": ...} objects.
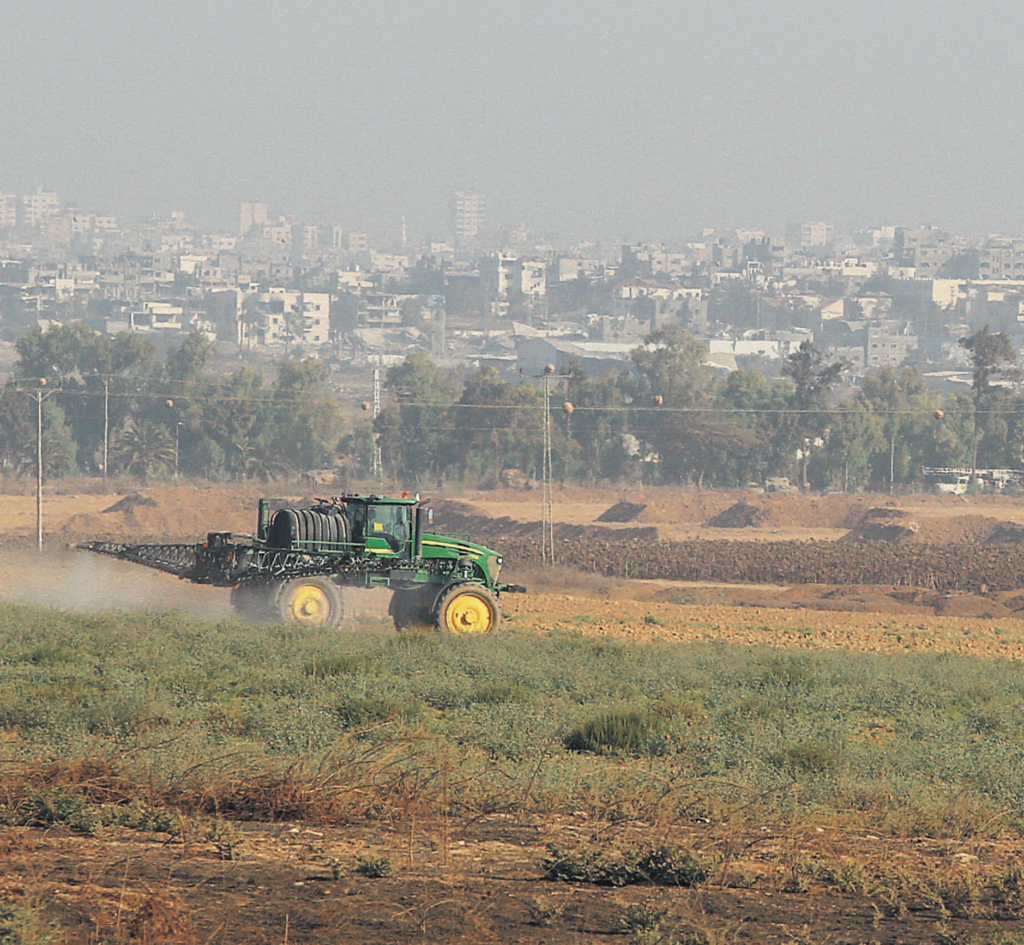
[{"x": 480, "y": 881}]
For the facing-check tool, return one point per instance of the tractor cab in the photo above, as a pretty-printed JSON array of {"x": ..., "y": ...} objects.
[{"x": 386, "y": 525}]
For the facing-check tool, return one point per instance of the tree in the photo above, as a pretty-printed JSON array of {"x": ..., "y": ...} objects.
[
  {"x": 813, "y": 379},
  {"x": 812, "y": 376},
  {"x": 415, "y": 426},
  {"x": 145, "y": 448},
  {"x": 497, "y": 426},
  {"x": 187, "y": 363},
  {"x": 598, "y": 424},
  {"x": 758, "y": 405},
  {"x": 58, "y": 352},
  {"x": 672, "y": 392},
  {"x": 236, "y": 411},
  {"x": 307, "y": 421},
  {"x": 59, "y": 449},
  {"x": 991, "y": 354}
]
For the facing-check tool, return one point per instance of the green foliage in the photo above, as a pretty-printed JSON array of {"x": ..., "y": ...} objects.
[
  {"x": 496, "y": 425},
  {"x": 631, "y": 732},
  {"x": 991, "y": 352},
  {"x": 668, "y": 420},
  {"x": 912, "y": 744},
  {"x": 416, "y": 426},
  {"x": 26, "y": 923},
  {"x": 373, "y": 867},
  {"x": 653, "y": 866},
  {"x": 144, "y": 449}
]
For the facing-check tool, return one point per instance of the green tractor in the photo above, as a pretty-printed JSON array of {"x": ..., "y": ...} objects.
[{"x": 295, "y": 566}]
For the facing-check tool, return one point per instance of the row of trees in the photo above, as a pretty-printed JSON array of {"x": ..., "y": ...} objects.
[
  {"x": 669, "y": 419},
  {"x": 158, "y": 418}
]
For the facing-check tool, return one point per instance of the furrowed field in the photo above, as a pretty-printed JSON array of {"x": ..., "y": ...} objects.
[{"x": 642, "y": 760}]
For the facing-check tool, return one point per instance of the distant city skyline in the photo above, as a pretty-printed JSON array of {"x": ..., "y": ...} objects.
[{"x": 597, "y": 120}]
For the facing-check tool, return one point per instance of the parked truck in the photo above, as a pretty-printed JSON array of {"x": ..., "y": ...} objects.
[{"x": 295, "y": 566}]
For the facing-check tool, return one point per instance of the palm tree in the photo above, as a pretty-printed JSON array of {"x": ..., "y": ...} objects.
[
  {"x": 144, "y": 448},
  {"x": 257, "y": 464}
]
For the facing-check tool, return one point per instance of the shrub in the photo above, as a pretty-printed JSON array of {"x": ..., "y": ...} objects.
[
  {"x": 636, "y": 866},
  {"x": 628, "y": 732},
  {"x": 373, "y": 867}
]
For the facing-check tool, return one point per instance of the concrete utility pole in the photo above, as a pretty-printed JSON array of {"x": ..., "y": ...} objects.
[
  {"x": 39, "y": 396},
  {"x": 378, "y": 466},
  {"x": 106, "y": 428}
]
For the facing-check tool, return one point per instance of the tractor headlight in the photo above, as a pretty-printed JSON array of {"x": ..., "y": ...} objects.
[{"x": 494, "y": 567}]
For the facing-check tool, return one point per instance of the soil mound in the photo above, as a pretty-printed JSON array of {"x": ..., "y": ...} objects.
[
  {"x": 740, "y": 515},
  {"x": 621, "y": 512},
  {"x": 882, "y": 524},
  {"x": 458, "y": 518},
  {"x": 958, "y": 529},
  {"x": 130, "y": 503},
  {"x": 885, "y": 512},
  {"x": 1009, "y": 533},
  {"x": 880, "y": 531}
]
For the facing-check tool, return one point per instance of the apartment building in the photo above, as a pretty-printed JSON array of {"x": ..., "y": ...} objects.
[
  {"x": 279, "y": 317},
  {"x": 466, "y": 212}
]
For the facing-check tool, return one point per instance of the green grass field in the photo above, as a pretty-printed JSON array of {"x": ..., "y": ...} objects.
[{"x": 100, "y": 713}]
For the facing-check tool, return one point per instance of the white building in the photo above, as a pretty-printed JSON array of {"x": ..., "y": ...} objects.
[
  {"x": 467, "y": 219},
  {"x": 39, "y": 206}
]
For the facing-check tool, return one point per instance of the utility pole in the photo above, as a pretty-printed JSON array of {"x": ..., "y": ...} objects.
[
  {"x": 177, "y": 465},
  {"x": 39, "y": 396},
  {"x": 547, "y": 518},
  {"x": 106, "y": 428},
  {"x": 378, "y": 466}
]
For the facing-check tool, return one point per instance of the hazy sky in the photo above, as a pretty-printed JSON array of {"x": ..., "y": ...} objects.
[{"x": 637, "y": 120}]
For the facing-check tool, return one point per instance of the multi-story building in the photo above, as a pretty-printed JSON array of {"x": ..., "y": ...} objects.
[
  {"x": 252, "y": 213},
  {"x": 816, "y": 234},
  {"x": 279, "y": 317},
  {"x": 467, "y": 219},
  {"x": 926, "y": 250},
  {"x": 1001, "y": 259},
  {"x": 37, "y": 207},
  {"x": 8, "y": 211}
]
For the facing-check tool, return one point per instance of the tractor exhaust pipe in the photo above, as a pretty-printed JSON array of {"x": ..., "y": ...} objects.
[{"x": 422, "y": 517}]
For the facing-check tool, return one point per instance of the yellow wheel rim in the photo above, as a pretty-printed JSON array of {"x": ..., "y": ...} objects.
[
  {"x": 467, "y": 613},
  {"x": 309, "y": 604}
]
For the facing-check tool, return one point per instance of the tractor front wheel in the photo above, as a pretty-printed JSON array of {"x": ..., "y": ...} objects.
[
  {"x": 466, "y": 609},
  {"x": 313, "y": 601}
]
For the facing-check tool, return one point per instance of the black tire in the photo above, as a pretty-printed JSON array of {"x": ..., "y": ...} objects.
[
  {"x": 313, "y": 601},
  {"x": 252, "y": 602},
  {"x": 467, "y": 610},
  {"x": 411, "y": 609}
]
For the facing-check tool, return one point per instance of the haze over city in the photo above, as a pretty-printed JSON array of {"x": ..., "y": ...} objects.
[{"x": 597, "y": 120}]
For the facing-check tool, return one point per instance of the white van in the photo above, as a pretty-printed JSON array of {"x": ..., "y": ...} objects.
[{"x": 952, "y": 484}]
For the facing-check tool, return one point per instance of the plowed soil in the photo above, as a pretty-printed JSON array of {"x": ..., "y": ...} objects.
[{"x": 954, "y": 584}]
